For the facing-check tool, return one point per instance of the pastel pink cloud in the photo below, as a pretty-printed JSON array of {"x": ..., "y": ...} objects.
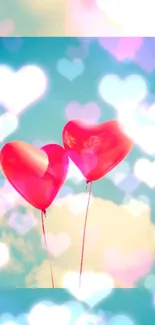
[{"x": 127, "y": 268}]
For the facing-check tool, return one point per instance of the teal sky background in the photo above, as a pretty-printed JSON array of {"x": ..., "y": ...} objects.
[
  {"x": 43, "y": 121},
  {"x": 134, "y": 303}
]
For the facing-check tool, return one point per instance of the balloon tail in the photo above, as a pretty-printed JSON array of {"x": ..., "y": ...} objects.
[
  {"x": 84, "y": 235},
  {"x": 43, "y": 215}
]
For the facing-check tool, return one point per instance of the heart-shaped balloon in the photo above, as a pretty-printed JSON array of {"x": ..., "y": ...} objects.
[
  {"x": 36, "y": 174},
  {"x": 95, "y": 149}
]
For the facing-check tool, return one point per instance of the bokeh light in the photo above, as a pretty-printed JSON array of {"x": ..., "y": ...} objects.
[
  {"x": 30, "y": 81},
  {"x": 4, "y": 254},
  {"x": 71, "y": 312},
  {"x": 94, "y": 287}
]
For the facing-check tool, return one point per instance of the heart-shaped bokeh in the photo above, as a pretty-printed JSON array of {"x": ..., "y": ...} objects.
[
  {"x": 125, "y": 92},
  {"x": 94, "y": 286},
  {"x": 70, "y": 69},
  {"x": 139, "y": 121},
  {"x": 29, "y": 81}
]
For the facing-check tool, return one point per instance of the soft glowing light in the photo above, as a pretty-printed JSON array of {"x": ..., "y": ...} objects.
[
  {"x": 43, "y": 314},
  {"x": 40, "y": 314},
  {"x": 130, "y": 90},
  {"x": 4, "y": 254},
  {"x": 144, "y": 170},
  {"x": 78, "y": 203},
  {"x": 74, "y": 174},
  {"x": 135, "y": 207},
  {"x": 126, "y": 15},
  {"x": 121, "y": 320},
  {"x": 94, "y": 286},
  {"x": 137, "y": 121},
  {"x": 21, "y": 88}
]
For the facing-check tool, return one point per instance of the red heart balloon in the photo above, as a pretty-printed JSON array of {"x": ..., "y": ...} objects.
[
  {"x": 36, "y": 174},
  {"x": 95, "y": 149}
]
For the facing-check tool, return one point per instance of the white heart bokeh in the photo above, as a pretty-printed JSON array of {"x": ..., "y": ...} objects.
[
  {"x": 137, "y": 121},
  {"x": 94, "y": 286},
  {"x": 48, "y": 313},
  {"x": 127, "y": 96},
  {"x": 19, "y": 89},
  {"x": 121, "y": 92},
  {"x": 144, "y": 170}
]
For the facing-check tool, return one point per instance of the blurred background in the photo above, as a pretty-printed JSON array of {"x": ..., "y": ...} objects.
[
  {"x": 77, "y": 18},
  {"x": 44, "y": 82},
  {"x": 31, "y": 307}
]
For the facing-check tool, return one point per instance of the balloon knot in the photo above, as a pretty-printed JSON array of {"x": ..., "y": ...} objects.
[
  {"x": 44, "y": 212},
  {"x": 87, "y": 181}
]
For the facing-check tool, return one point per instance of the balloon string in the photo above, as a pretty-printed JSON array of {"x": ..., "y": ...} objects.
[
  {"x": 84, "y": 235},
  {"x": 43, "y": 214}
]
